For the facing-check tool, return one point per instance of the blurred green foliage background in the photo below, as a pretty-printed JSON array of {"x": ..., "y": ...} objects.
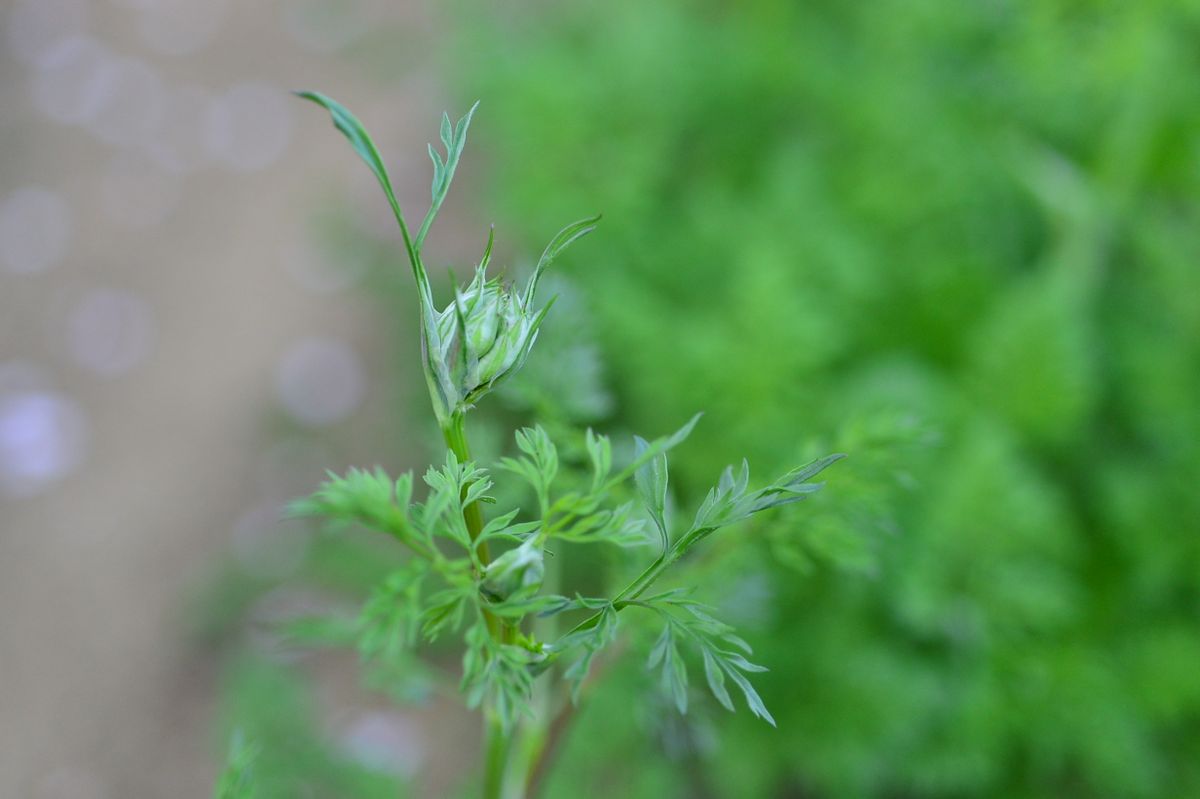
[{"x": 956, "y": 240}]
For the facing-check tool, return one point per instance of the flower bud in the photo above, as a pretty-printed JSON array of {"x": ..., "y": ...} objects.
[
  {"x": 484, "y": 335},
  {"x": 517, "y": 574},
  {"x": 481, "y": 338}
]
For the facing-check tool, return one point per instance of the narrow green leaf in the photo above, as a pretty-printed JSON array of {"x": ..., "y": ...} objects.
[
  {"x": 358, "y": 137},
  {"x": 753, "y": 700},
  {"x": 443, "y": 171},
  {"x": 659, "y": 651},
  {"x": 812, "y": 468},
  {"x": 439, "y": 170},
  {"x": 658, "y": 445},
  {"x": 716, "y": 680},
  {"x": 600, "y": 452},
  {"x": 677, "y": 678},
  {"x": 440, "y": 385},
  {"x": 544, "y": 605},
  {"x": 445, "y": 612},
  {"x": 563, "y": 239},
  {"x": 487, "y": 253},
  {"x": 404, "y": 487},
  {"x": 446, "y": 131},
  {"x": 651, "y": 481}
]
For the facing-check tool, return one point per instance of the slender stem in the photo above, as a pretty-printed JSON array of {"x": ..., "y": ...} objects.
[
  {"x": 456, "y": 439},
  {"x": 497, "y": 743},
  {"x": 632, "y": 591},
  {"x": 495, "y": 765},
  {"x": 547, "y": 750}
]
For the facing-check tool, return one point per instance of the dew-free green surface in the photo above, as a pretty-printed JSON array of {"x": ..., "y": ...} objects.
[{"x": 958, "y": 241}]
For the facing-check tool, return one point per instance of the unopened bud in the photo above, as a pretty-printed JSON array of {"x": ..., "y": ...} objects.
[{"x": 517, "y": 574}]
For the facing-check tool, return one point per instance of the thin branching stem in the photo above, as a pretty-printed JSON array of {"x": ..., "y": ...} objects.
[{"x": 497, "y": 744}]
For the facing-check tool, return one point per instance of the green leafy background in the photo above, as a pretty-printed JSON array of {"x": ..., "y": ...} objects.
[{"x": 956, "y": 240}]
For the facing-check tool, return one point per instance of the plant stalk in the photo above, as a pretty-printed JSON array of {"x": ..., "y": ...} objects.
[
  {"x": 495, "y": 766},
  {"x": 496, "y": 741},
  {"x": 456, "y": 439}
]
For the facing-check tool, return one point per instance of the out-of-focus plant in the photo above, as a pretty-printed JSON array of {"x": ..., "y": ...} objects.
[
  {"x": 481, "y": 576},
  {"x": 276, "y": 750},
  {"x": 971, "y": 225}
]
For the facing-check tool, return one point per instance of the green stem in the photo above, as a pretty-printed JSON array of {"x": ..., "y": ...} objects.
[
  {"x": 632, "y": 591},
  {"x": 456, "y": 439},
  {"x": 496, "y": 763},
  {"x": 497, "y": 743}
]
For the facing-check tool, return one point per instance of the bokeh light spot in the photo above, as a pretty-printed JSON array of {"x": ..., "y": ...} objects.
[
  {"x": 132, "y": 105},
  {"x": 326, "y": 26},
  {"x": 320, "y": 381},
  {"x": 42, "y": 440},
  {"x": 35, "y": 230},
  {"x": 179, "y": 145},
  {"x": 385, "y": 742},
  {"x": 249, "y": 126},
  {"x": 35, "y": 25},
  {"x": 73, "y": 80},
  {"x": 110, "y": 332},
  {"x": 179, "y": 27},
  {"x": 137, "y": 193}
]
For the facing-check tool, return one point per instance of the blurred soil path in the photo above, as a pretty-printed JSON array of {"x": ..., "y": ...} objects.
[{"x": 142, "y": 331}]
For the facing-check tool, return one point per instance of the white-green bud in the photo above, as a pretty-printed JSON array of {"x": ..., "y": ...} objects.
[
  {"x": 517, "y": 574},
  {"x": 484, "y": 335}
]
